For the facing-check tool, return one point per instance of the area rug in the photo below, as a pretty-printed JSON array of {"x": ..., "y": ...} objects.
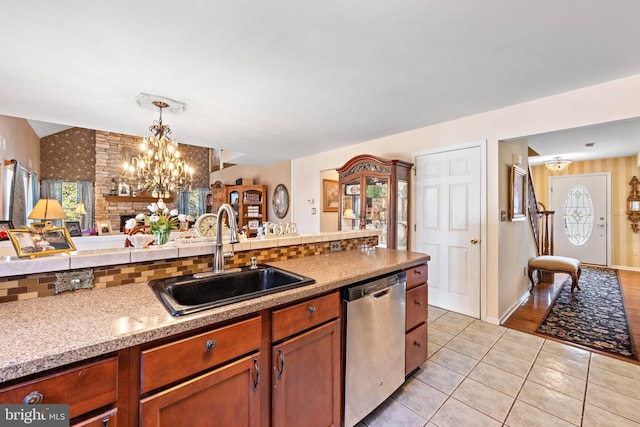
[{"x": 596, "y": 318}]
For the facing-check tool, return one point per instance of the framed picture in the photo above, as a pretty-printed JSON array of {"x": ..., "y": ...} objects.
[
  {"x": 104, "y": 228},
  {"x": 52, "y": 241},
  {"x": 352, "y": 189},
  {"x": 518, "y": 196},
  {"x": 329, "y": 195},
  {"x": 123, "y": 189},
  {"x": 5, "y": 226},
  {"x": 73, "y": 227}
]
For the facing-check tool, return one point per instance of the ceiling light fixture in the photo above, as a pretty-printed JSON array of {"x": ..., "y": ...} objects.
[
  {"x": 158, "y": 167},
  {"x": 557, "y": 164}
]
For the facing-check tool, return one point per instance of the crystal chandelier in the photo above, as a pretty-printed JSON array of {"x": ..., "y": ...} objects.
[{"x": 158, "y": 167}]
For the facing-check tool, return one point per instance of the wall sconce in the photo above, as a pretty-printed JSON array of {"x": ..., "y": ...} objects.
[{"x": 633, "y": 205}]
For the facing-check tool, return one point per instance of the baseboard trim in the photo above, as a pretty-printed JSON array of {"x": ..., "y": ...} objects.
[
  {"x": 625, "y": 268},
  {"x": 513, "y": 308}
]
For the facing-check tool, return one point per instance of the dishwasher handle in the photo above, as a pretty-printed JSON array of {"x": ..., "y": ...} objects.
[{"x": 380, "y": 294}]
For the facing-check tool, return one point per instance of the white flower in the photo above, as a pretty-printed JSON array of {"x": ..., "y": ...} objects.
[
  {"x": 152, "y": 207},
  {"x": 182, "y": 217},
  {"x": 154, "y": 218},
  {"x": 173, "y": 212},
  {"x": 161, "y": 205},
  {"x": 131, "y": 223},
  {"x": 141, "y": 217}
]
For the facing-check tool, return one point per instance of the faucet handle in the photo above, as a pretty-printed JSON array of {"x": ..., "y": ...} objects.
[{"x": 254, "y": 263}]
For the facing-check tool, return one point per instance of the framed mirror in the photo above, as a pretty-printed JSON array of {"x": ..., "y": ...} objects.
[
  {"x": 280, "y": 201},
  {"x": 633, "y": 204}
]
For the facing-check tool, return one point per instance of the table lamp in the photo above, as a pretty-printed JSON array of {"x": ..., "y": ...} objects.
[
  {"x": 80, "y": 210},
  {"x": 348, "y": 213},
  {"x": 46, "y": 210}
]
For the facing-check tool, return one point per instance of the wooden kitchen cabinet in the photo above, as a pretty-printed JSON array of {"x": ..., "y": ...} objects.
[
  {"x": 227, "y": 393},
  {"x": 417, "y": 314},
  {"x": 84, "y": 388},
  {"x": 306, "y": 368},
  {"x": 374, "y": 194},
  {"x": 227, "y": 396}
]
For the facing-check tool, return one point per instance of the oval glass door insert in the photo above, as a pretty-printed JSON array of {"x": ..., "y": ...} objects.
[{"x": 578, "y": 215}]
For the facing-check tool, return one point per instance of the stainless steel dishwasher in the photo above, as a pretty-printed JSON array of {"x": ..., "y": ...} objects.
[{"x": 374, "y": 350}]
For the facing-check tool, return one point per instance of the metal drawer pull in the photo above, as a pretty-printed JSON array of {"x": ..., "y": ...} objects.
[
  {"x": 105, "y": 422},
  {"x": 312, "y": 309},
  {"x": 33, "y": 398},
  {"x": 418, "y": 302},
  {"x": 281, "y": 357},
  {"x": 211, "y": 344},
  {"x": 256, "y": 376},
  {"x": 417, "y": 344}
]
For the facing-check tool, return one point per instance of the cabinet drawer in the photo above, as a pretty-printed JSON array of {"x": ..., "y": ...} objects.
[
  {"x": 416, "y": 275},
  {"x": 417, "y": 310},
  {"x": 305, "y": 315},
  {"x": 174, "y": 361},
  {"x": 415, "y": 348},
  {"x": 108, "y": 419},
  {"x": 84, "y": 388}
]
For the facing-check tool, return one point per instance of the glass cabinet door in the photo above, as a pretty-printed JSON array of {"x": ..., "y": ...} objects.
[
  {"x": 376, "y": 205},
  {"x": 350, "y": 192},
  {"x": 402, "y": 224}
]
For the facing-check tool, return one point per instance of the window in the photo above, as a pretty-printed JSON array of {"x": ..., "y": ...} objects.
[{"x": 578, "y": 215}]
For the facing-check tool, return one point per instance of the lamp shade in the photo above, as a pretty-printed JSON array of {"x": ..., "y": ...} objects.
[
  {"x": 47, "y": 209},
  {"x": 348, "y": 213},
  {"x": 80, "y": 210}
]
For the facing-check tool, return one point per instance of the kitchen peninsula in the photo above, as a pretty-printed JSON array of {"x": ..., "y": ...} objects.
[{"x": 117, "y": 329}]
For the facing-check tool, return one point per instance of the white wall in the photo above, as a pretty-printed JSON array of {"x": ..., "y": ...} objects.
[{"x": 614, "y": 100}]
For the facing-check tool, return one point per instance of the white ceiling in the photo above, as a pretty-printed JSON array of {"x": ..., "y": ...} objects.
[{"x": 286, "y": 79}]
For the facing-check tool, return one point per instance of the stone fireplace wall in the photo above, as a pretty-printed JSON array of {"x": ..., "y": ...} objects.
[{"x": 91, "y": 155}]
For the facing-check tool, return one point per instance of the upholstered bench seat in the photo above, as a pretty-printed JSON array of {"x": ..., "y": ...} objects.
[{"x": 556, "y": 264}]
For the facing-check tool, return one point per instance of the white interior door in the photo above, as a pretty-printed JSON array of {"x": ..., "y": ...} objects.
[
  {"x": 448, "y": 211},
  {"x": 580, "y": 224}
]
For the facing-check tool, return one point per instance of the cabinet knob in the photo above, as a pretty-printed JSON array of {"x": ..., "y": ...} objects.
[
  {"x": 211, "y": 344},
  {"x": 474, "y": 241},
  {"x": 33, "y": 398},
  {"x": 312, "y": 309},
  {"x": 417, "y": 271},
  {"x": 417, "y": 344},
  {"x": 418, "y": 303}
]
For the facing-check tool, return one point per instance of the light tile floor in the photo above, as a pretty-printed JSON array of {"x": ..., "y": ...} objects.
[{"x": 480, "y": 374}]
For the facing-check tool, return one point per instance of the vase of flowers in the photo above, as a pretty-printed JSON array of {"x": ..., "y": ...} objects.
[{"x": 161, "y": 221}]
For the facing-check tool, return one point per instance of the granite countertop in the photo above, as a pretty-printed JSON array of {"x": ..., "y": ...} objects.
[{"x": 49, "y": 332}]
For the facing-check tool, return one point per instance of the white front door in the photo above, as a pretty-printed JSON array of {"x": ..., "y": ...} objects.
[
  {"x": 449, "y": 212},
  {"x": 580, "y": 224}
]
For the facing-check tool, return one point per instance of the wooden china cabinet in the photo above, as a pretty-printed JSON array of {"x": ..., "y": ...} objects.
[{"x": 374, "y": 194}]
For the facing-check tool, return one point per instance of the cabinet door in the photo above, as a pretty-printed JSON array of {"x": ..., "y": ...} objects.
[
  {"x": 306, "y": 379},
  {"x": 376, "y": 206},
  {"x": 227, "y": 396}
]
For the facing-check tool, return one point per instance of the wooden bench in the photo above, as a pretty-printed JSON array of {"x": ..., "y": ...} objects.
[{"x": 556, "y": 264}]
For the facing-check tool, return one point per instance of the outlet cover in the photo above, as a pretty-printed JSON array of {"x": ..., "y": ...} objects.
[{"x": 335, "y": 246}]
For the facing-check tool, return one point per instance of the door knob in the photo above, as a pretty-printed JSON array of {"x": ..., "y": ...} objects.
[{"x": 474, "y": 241}]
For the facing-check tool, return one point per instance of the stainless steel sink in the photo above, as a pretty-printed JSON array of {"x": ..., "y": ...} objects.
[{"x": 189, "y": 294}]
